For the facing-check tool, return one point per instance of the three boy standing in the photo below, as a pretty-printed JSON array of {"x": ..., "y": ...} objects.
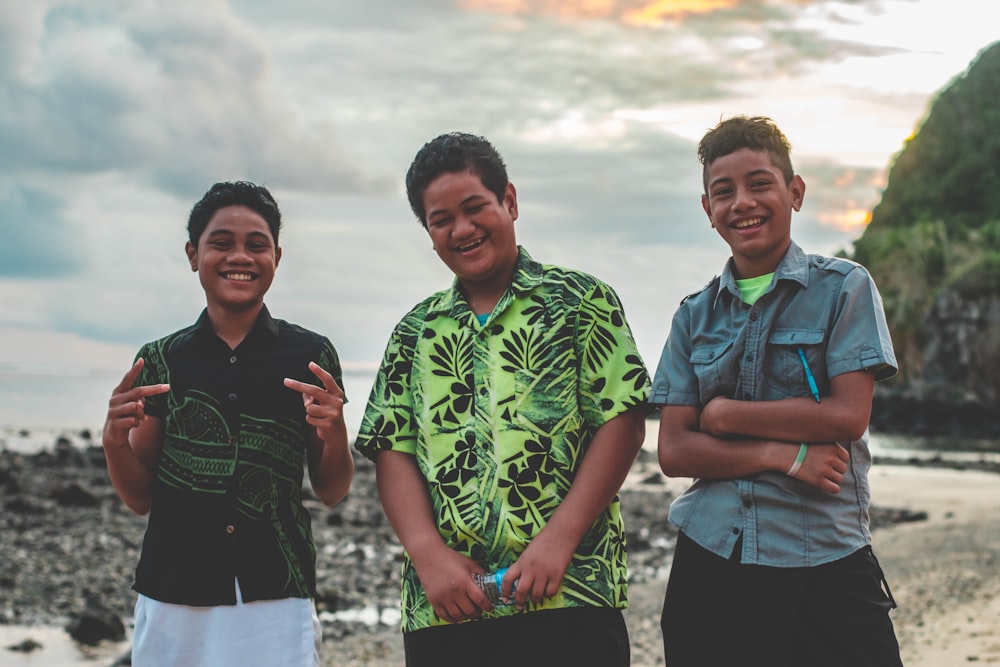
[{"x": 506, "y": 414}]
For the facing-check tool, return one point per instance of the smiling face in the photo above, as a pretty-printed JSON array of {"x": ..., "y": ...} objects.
[
  {"x": 473, "y": 234},
  {"x": 236, "y": 258},
  {"x": 750, "y": 205}
]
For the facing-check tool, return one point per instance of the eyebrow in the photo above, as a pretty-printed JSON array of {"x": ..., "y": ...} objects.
[
  {"x": 438, "y": 211},
  {"x": 755, "y": 172}
]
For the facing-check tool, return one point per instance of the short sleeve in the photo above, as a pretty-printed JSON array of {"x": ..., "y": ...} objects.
[
  {"x": 675, "y": 382},
  {"x": 859, "y": 338},
  {"x": 154, "y": 371},
  {"x": 388, "y": 422},
  {"x": 613, "y": 377},
  {"x": 329, "y": 361}
]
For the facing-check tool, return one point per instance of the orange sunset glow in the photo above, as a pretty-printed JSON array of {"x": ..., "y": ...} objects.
[{"x": 633, "y": 12}]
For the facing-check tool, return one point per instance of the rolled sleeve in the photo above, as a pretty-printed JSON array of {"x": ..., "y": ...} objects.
[{"x": 859, "y": 339}]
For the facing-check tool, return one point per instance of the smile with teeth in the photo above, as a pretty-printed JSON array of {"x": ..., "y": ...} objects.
[
  {"x": 750, "y": 222},
  {"x": 470, "y": 246},
  {"x": 238, "y": 276}
]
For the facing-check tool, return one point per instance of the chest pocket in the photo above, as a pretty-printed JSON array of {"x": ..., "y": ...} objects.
[
  {"x": 786, "y": 369},
  {"x": 712, "y": 366}
]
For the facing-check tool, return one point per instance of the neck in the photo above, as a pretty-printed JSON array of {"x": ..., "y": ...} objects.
[{"x": 233, "y": 326}]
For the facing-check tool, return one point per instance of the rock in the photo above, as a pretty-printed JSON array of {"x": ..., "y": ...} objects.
[
  {"x": 74, "y": 495},
  {"x": 95, "y": 625},
  {"x": 25, "y": 646}
]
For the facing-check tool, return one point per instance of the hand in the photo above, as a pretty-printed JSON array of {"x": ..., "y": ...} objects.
[
  {"x": 127, "y": 407},
  {"x": 324, "y": 405},
  {"x": 824, "y": 466},
  {"x": 447, "y": 578},
  {"x": 711, "y": 417},
  {"x": 539, "y": 570}
]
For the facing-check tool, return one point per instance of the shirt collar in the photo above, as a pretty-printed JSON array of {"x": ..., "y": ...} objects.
[
  {"x": 527, "y": 276},
  {"x": 263, "y": 323},
  {"x": 793, "y": 266}
]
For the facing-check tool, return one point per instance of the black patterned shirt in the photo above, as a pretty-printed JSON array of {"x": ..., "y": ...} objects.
[
  {"x": 499, "y": 416},
  {"x": 227, "y": 498}
]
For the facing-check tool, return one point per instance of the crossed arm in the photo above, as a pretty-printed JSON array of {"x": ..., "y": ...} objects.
[{"x": 729, "y": 438}]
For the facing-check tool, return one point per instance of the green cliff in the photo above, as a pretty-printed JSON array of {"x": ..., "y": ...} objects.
[{"x": 933, "y": 247}]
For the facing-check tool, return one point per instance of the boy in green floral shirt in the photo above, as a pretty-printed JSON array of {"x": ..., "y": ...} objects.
[{"x": 504, "y": 418}]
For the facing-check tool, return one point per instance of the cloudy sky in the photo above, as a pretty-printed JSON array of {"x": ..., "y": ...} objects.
[{"x": 116, "y": 116}]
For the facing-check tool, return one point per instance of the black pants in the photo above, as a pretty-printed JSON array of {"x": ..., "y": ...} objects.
[
  {"x": 718, "y": 612},
  {"x": 576, "y": 637}
]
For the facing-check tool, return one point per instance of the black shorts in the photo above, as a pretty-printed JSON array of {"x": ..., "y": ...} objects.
[
  {"x": 719, "y": 612},
  {"x": 574, "y": 637}
]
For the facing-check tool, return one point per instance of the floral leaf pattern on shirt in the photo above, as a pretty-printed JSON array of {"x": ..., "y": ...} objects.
[{"x": 498, "y": 418}]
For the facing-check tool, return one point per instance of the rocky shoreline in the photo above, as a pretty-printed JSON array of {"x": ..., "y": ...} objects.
[{"x": 70, "y": 546}]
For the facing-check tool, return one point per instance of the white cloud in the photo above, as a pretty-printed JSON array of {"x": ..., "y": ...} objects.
[{"x": 116, "y": 116}]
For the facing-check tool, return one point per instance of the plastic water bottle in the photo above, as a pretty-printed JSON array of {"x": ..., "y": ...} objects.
[{"x": 490, "y": 585}]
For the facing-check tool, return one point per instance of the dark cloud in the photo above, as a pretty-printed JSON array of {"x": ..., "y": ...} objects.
[
  {"x": 37, "y": 242},
  {"x": 178, "y": 98}
]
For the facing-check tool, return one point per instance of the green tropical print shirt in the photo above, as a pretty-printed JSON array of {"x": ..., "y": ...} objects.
[{"x": 499, "y": 416}]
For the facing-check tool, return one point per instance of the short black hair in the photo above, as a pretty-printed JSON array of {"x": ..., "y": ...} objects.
[
  {"x": 234, "y": 193},
  {"x": 450, "y": 153},
  {"x": 758, "y": 133}
]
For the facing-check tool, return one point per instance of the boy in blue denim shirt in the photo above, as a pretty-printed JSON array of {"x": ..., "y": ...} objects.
[{"x": 765, "y": 385}]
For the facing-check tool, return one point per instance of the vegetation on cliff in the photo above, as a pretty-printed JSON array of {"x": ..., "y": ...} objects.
[{"x": 935, "y": 237}]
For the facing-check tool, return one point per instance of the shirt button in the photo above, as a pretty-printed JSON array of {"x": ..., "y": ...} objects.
[
  {"x": 736, "y": 531},
  {"x": 749, "y": 356},
  {"x": 483, "y": 391},
  {"x": 232, "y": 397},
  {"x": 230, "y": 529},
  {"x": 232, "y": 359},
  {"x": 747, "y": 504},
  {"x": 753, "y": 317}
]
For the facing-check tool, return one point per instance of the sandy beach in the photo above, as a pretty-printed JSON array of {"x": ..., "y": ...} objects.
[{"x": 53, "y": 555}]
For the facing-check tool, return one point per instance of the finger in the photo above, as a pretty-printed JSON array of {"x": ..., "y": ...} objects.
[
  {"x": 329, "y": 383},
  {"x": 152, "y": 390},
  {"x": 305, "y": 388},
  {"x": 130, "y": 376}
]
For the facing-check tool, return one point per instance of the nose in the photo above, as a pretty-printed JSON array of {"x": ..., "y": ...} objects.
[
  {"x": 463, "y": 226},
  {"x": 744, "y": 199},
  {"x": 239, "y": 254}
]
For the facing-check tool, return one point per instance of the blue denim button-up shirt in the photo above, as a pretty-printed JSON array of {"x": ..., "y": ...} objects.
[{"x": 718, "y": 345}]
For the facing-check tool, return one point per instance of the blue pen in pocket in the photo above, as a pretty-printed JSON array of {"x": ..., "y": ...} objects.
[{"x": 813, "y": 389}]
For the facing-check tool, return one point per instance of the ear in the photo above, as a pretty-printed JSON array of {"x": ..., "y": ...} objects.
[
  {"x": 706, "y": 206},
  {"x": 277, "y": 256},
  {"x": 192, "y": 255},
  {"x": 510, "y": 201},
  {"x": 797, "y": 187}
]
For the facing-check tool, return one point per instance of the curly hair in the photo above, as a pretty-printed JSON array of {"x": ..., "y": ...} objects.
[{"x": 450, "y": 153}]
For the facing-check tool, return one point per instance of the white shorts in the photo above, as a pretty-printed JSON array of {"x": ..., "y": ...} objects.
[{"x": 248, "y": 634}]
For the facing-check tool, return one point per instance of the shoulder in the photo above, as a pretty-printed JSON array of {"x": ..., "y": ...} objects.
[
  {"x": 173, "y": 341},
  {"x": 708, "y": 291},
  {"x": 840, "y": 265},
  {"x": 574, "y": 284},
  {"x": 295, "y": 334}
]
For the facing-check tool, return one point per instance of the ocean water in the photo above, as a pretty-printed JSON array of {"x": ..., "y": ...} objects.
[
  {"x": 40, "y": 403},
  {"x": 38, "y": 399}
]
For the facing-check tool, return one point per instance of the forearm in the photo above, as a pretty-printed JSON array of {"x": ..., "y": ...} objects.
[
  {"x": 684, "y": 451},
  {"x": 407, "y": 505},
  {"x": 605, "y": 465},
  {"x": 842, "y": 416},
  {"x": 331, "y": 467},
  {"x": 131, "y": 477}
]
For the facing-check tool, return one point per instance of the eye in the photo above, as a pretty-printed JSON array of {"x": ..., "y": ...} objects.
[
  {"x": 475, "y": 209},
  {"x": 259, "y": 247},
  {"x": 721, "y": 192},
  {"x": 438, "y": 222},
  {"x": 221, "y": 244}
]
